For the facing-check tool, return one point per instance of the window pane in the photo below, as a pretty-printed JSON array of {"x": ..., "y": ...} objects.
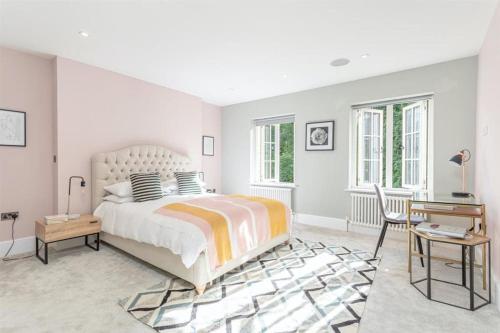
[
  {"x": 408, "y": 146},
  {"x": 273, "y": 151},
  {"x": 408, "y": 173},
  {"x": 416, "y": 116},
  {"x": 375, "y": 172},
  {"x": 416, "y": 173},
  {"x": 367, "y": 123},
  {"x": 367, "y": 147},
  {"x": 416, "y": 145},
  {"x": 273, "y": 174},
  {"x": 408, "y": 121},
  {"x": 366, "y": 171},
  {"x": 267, "y": 151},
  {"x": 376, "y": 124},
  {"x": 273, "y": 133}
]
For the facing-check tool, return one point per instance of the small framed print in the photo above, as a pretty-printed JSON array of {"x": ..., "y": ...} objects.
[
  {"x": 12, "y": 128},
  {"x": 208, "y": 145},
  {"x": 320, "y": 135}
]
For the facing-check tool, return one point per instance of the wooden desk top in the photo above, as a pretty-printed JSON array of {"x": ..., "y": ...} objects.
[{"x": 456, "y": 211}]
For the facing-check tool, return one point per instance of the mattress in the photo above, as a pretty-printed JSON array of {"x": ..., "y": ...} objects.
[{"x": 137, "y": 221}]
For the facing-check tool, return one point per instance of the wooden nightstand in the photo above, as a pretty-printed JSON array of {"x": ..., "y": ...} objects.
[{"x": 84, "y": 226}]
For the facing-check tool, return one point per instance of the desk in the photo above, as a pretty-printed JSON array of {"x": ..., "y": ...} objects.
[
  {"x": 447, "y": 205},
  {"x": 469, "y": 243}
]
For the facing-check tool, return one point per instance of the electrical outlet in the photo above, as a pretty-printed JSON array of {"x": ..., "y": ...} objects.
[{"x": 9, "y": 216}]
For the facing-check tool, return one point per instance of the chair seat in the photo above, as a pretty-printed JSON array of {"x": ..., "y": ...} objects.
[{"x": 400, "y": 218}]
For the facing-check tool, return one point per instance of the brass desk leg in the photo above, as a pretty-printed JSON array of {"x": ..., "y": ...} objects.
[{"x": 408, "y": 226}]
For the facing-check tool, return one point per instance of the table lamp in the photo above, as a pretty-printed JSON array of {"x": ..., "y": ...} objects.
[
  {"x": 82, "y": 184},
  {"x": 462, "y": 157}
]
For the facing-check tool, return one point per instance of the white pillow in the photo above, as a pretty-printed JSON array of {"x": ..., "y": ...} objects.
[
  {"x": 117, "y": 199},
  {"x": 123, "y": 189},
  {"x": 170, "y": 186}
]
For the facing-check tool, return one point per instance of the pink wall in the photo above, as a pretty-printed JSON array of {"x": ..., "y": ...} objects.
[
  {"x": 26, "y": 84},
  {"x": 98, "y": 111},
  {"x": 76, "y": 110},
  {"x": 488, "y": 133},
  {"x": 211, "y": 165}
]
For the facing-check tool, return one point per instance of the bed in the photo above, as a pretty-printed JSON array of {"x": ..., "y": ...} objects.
[{"x": 176, "y": 248}]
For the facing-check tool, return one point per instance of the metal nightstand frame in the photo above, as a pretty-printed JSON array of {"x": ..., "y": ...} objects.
[{"x": 45, "y": 259}]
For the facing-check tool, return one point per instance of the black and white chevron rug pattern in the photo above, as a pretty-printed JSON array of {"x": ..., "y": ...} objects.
[{"x": 301, "y": 287}]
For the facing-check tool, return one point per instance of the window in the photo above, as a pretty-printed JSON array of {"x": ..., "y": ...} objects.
[
  {"x": 389, "y": 145},
  {"x": 273, "y": 150}
]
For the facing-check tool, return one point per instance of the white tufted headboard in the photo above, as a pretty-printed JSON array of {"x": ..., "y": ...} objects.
[{"x": 116, "y": 166}]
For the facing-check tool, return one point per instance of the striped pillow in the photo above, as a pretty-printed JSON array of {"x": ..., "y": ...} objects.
[
  {"x": 146, "y": 186},
  {"x": 188, "y": 182}
]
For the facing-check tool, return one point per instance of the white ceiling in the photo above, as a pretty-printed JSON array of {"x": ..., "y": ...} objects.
[{"x": 231, "y": 51}]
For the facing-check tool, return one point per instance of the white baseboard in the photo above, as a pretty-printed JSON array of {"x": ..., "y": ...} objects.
[
  {"x": 496, "y": 291},
  {"x": 343, "y": 225},
  {"x": 321, "y": 221},
  {"x": 21, "y": 245}
]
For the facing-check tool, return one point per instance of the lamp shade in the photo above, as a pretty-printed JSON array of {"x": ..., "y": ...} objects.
[{"x": 458, "y": 159}]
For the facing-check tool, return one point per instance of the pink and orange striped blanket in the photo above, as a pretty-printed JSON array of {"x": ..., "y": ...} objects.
[{"x": 232, "y": 224}]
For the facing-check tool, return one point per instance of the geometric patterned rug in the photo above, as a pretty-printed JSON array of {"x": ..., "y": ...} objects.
[{"x": 299, "y": 287}]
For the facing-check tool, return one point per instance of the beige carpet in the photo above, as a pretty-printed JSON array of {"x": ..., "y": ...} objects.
[{"x": 79, "y": 289}]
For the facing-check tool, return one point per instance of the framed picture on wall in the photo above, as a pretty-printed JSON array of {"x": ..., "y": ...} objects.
[
  {"x": 320, "y": 135},
  {"x": 207, "y": 145},
  {"x": 12, "y": 128}
]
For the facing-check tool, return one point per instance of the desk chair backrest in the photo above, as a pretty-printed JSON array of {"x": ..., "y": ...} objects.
[{"x": 382, "y": 201}]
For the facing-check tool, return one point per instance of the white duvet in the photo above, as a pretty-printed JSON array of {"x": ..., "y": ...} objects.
[{"x": 137, "y": 221}]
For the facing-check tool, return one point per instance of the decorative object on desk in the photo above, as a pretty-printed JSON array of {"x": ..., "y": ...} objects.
[
  {"x": 462, "y": 157},
  {"x": 82, "y": 184},
  {"x": 208, "y": 145},
  {"x": 442, "y": 230},
  {"x": 320, "y": 135},
  {"x": 12, "y": 128}
]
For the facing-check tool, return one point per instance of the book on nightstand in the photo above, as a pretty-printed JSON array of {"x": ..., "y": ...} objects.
[{"x": 61, "y": 218}]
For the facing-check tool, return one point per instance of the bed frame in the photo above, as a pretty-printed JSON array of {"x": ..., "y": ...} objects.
[{"x": 116, "y": 166}]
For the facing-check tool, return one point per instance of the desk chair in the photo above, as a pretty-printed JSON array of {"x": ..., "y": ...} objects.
[{"x": 395, "y": 219}]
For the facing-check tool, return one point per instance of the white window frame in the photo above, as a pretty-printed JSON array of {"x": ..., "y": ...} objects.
[
  {"x": 257, "y": 150},
  {"x": 353, "y": 183},
  {"x": 409, "y": 147},
  {"x": 272, "y": 159},
  {"x": 375, "y": 150}
]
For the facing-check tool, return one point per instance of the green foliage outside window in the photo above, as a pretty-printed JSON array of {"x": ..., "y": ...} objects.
[
  {"x": 397, "y": 145},
  {"x": 286, "y": 152}
]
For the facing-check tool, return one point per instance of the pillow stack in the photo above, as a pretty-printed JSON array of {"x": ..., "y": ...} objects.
[
  {"x": 146, "y": 186},
  {"x": 187, "y": 182}
]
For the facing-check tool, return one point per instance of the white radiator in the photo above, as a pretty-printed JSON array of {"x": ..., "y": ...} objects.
[
  {"x": 283, "y": 194},
  {"x": 365, "y": 209}
]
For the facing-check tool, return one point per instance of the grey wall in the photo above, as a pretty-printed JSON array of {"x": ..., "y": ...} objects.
[{"x": 322, "y": 177}]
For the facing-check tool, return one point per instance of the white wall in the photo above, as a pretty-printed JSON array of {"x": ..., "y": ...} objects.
[{"x": 322, "y": 177}]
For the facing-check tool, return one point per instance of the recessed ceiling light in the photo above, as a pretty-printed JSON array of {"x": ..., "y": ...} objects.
[
  {"x": 285, "y": 76},
  {"x": 340, "y": 62},
  {"x": 364, "y": 56},
  {"x": 83, "y": 33}
]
